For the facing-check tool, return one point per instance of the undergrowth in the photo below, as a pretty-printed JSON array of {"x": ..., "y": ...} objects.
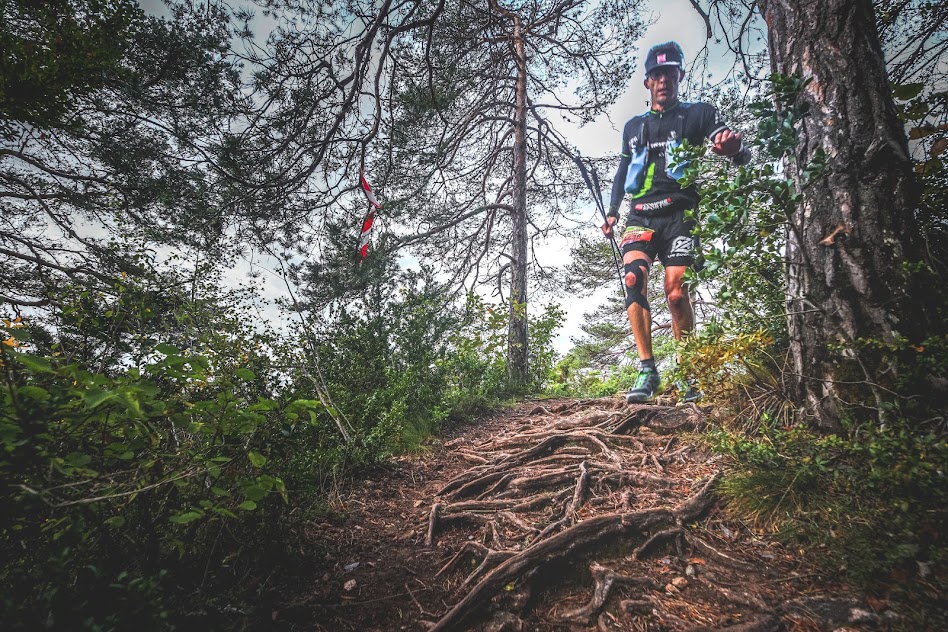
[
  {"x": 875, "y": 497},
  {"x": 869, "y": 503}
]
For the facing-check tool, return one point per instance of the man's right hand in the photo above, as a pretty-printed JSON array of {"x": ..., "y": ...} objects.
[{"x": 607, "y": 227}]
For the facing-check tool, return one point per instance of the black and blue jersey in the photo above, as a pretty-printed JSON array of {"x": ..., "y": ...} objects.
[{"x": 645, "y": 169}]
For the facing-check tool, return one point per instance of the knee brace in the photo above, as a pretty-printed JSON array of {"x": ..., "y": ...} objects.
[{"x": 636, "y": 273}]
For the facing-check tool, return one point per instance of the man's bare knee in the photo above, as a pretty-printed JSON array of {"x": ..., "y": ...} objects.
[{"x": 677, "y": 297}]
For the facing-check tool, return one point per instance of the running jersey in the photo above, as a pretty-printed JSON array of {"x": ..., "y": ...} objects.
[{"x": 645, "y": 169}]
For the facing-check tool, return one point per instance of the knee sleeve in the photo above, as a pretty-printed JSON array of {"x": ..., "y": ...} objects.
[{"x": 636, "y": 274}]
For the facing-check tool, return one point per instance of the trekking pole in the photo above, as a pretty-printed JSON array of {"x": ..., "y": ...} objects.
[{"x": 597, "y": 196}]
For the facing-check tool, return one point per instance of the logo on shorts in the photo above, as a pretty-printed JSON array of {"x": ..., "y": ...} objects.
[
  {"x": 681, "y": 247},
  {"x": 653, "y": 206}
]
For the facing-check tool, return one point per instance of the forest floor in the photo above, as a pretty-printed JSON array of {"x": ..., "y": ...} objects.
[{"x": 566, "y": 515}]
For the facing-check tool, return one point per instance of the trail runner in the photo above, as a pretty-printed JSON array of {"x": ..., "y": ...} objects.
[{"x": 656, "y": 226}]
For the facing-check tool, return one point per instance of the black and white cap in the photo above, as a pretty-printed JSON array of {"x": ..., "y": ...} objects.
[{"x": 667, "y": 54}]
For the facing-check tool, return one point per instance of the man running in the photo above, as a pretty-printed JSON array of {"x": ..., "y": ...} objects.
[{"x": 656, "y": 224}]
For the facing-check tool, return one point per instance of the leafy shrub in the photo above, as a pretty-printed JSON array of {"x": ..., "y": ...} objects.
[
  {"x": 109, "y": 479},
  {"x": 875, "y": 498}
]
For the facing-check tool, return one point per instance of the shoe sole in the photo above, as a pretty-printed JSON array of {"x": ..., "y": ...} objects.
[{"x": 635, "y": 399}]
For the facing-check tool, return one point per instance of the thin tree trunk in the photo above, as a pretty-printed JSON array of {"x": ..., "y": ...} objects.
[
  {"x": 517, "y": 362},
  {"x": 854, "y": 229}
]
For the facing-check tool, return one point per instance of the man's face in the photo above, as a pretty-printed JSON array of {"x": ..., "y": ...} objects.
[{"x": 662, "y": 83}]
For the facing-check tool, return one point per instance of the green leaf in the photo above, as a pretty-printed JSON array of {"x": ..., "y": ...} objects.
[
  {"x": 77, "y": 459},
  {"x": 115, "y": 522},
  {"x": 248, "y": 505},
  {"x": 94, "y": 397},
  {"x": 186, "y": 517},
  {"x": 33, "y": 363},
  {"x": 908, "y": 91},
  {"x": 167, "y": 349},
  {"x": 257, "y": 459},
  {"x": 245, "y": 374},
  {"x": 132, "y": 405},
  {"x": 255, "y": 492},
  {"x": 281, "y": 487},
  {"x": 264, "y": 405},
  {"x": 19, "y": 333},
  {"x": 33, "y": 392},
  {"x": 148, "y": 389}
]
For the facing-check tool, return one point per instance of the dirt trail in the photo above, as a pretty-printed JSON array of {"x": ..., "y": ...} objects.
[{"x": 563, "y": 515}]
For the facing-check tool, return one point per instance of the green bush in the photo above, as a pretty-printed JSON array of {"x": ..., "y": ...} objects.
[
  {"x": 875, "y": 499},
  {"x": 112, "y": 480}
]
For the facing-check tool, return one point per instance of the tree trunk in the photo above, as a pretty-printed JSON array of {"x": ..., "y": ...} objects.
[
  {"x": 517, "y": 362},
  {"x": 854, "y": 229}
]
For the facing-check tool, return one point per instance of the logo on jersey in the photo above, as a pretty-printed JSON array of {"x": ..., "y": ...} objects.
[
  {"x": 653, "y": 206},
  {"x": 681, "y": 247}
]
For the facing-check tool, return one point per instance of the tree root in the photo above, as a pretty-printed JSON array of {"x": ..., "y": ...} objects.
[
  {"x": 467, "y": 548},
  {"x": 472, "y": 458},
  {"x": 441, "y": 515},
  {"x": 605, "y": 579},
  {"x": 700, "y": 545},
  {"x": 530, "y": 487},
  {"x": 432, "y": 523},
  {"x": 579, "y": 492},
  {"x": 642, "y": 550},
  {"x": 567, "y": 542}
]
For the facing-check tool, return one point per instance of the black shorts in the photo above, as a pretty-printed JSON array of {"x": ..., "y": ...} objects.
[{"x": 666, "y": 237}]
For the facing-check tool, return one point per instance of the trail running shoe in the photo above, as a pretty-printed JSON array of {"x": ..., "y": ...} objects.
[
  {"x": 687, "y": 391},
  {"x": 646, "y": 386}
]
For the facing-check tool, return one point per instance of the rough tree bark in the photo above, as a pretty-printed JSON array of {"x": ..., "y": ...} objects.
[{"x": 850, "y": 236}]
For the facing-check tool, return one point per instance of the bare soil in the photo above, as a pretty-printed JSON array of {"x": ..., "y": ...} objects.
[{"x": 567, "y": 515}]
